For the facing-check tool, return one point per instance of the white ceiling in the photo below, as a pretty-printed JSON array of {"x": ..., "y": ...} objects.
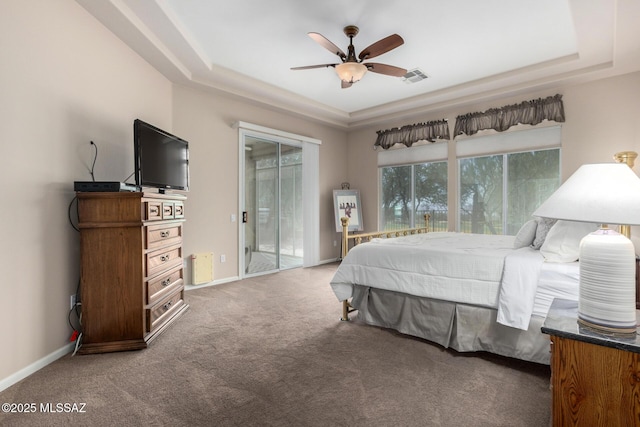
[{"x": 470, "y": 49}]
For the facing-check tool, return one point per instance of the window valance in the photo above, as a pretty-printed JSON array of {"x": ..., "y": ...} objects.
[
  {"x": 528, "y": 112},
  {"x": 410, "y": 134}
]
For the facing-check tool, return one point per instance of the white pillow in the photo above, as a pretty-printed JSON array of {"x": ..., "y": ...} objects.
[
  {"x": 526, "y": 234},
  {"x": 563, "y": 240},
  {"x": 544, "y": 225}
]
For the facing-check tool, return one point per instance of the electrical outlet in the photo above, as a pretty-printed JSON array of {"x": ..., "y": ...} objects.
[
  {"x": 223, "y": 258},
  {"x": 335, "y": 243},
  {"x": 72, "y": 301}
]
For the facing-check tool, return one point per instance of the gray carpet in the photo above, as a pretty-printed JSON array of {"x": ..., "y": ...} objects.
[
  {"x": 270, "y": 351},
  {"x": 264, "y": 262}
]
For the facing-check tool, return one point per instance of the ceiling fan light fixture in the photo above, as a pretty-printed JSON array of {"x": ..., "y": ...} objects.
[{"x": 351, "y": 72}]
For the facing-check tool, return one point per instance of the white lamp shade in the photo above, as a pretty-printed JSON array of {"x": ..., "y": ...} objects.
[
  {"x": 350, "y": 72},
  {"x": 605, "y": 193}
]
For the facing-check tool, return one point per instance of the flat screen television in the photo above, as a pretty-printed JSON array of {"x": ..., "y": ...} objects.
[{"x": 161, "y": 159}]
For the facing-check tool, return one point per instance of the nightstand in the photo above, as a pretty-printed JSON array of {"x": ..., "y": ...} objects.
[{"x": 595, "y": 378}]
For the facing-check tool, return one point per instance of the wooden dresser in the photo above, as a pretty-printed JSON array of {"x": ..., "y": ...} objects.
[
  {"x": 131, "y": 260},
  {"x": 595, "y": 378}
]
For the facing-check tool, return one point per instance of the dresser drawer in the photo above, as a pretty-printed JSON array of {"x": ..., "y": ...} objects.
[
  {"x": 163, "y": 259},
  {"x": 156, "y": 210},
  {"x": 168, "y": 211},
  {"x": 172, "y": 210},
  {"x": 163, "y": 284},
  {"x": 153, "y": 210},
  {"x": 161, "y": 313},
  {"x": 178, "y": 210},
  {"x": 165, "y": 234}
]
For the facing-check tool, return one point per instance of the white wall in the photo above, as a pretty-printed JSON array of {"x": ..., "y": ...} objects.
[
  {"x": 64, "y": 80},
  {"x": 601, "y": 120}
]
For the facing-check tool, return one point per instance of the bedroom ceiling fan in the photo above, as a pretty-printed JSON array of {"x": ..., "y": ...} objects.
[{"x": 353, "y": 68}]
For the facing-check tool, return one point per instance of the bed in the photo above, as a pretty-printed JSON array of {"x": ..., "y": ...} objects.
[{"x": 468, "y": 292}]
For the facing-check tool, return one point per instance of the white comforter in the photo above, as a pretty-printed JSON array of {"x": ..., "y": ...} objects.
[{"x": 458, "y": 267}]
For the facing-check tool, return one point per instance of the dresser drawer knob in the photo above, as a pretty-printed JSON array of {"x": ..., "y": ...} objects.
[
  {"x": 165, "y": 233},
  {"x": 167, "y": 306},
  {"x": 164, "y": 258},
  {"x": 166, "y": 282}
]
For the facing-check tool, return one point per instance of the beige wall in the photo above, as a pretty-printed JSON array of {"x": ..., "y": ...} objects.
[
  {"x": 64, "y": 81},
  {"x": 205, "y": 119},
  {"x": 601, "y": 119}
]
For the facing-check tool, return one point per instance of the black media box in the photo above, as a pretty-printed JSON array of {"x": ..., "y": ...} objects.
[{"x": 103, "y": 186}]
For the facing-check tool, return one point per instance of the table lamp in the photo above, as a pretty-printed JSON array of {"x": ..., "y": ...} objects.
[{"x": 607, "y": 193}]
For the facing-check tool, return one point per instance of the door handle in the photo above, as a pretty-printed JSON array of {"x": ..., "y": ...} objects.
[{"x": 244, "y": 217}]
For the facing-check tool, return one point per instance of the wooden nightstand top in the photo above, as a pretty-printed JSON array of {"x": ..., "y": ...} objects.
[{"x": 562, "y": 321}]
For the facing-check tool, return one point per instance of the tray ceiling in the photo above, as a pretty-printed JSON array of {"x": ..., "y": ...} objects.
[{"x": 468, "y": 49}]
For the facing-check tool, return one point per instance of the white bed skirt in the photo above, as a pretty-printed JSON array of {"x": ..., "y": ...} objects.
[{"x": 462, "y": 327}]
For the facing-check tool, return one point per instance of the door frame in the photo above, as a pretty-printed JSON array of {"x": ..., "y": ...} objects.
[{"x": 310, "y": 183}]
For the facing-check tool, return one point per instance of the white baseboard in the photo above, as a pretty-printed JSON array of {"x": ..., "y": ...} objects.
[
  {"x": 329, "y": 261},
  {"x": 52, "y": 357},
  {"x": 35, "y": 366},
  {"x": 234, "y": 278},
  {"x": 214, "y": 283}
]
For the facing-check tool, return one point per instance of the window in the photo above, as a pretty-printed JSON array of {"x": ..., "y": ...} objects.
[
  {"x": 498, "y": 193},
  {"x": 502, "y": 178},
  {"x": 481, "y": 195},
  {"x": 410, "y": 191}
]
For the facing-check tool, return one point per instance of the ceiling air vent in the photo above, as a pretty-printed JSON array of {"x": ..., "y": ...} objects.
[{"x": 414, "y": 76}]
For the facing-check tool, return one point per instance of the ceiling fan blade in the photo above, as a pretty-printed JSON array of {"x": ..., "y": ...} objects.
[
  {"x": 309, "y": 67},
  {"x": 324, "y": 42},
  {"x": 388, "y": 70},
  {"x": 381, "y": 46},
  {"x": 345, "y": 85}
]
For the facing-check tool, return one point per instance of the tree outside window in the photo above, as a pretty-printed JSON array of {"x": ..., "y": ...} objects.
[
  {"x": 496, "y": 193},
  {"x": 499, "y": 193},
  {"x": 408, "y": 192}
]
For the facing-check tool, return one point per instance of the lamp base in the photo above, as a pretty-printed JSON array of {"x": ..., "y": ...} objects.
[{"x": 607, "y": 282}]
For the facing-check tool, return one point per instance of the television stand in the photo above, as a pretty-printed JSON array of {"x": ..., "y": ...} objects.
[{"x": 131, "y": 261}]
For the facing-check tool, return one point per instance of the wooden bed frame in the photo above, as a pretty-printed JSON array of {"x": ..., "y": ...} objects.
[{"x": 360, "y": 237}]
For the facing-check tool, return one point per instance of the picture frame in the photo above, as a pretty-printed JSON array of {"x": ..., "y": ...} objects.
[{"x": 347, "y": 203}]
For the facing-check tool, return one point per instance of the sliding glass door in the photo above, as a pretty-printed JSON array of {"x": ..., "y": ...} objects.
[{"x": 272, "y": 215}]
